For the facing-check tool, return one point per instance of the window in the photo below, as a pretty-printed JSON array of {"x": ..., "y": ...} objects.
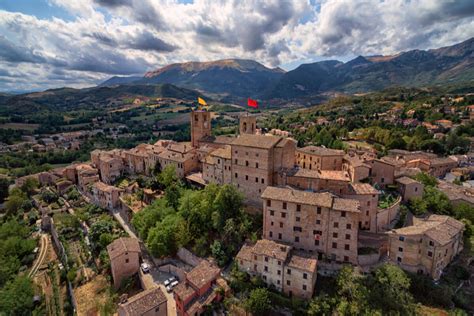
[
  {"x": 305, "y": 276},
  {"x": 297, "y": 219},
  {"x": 236, "y": 175},
  {"x": 288, "y": 271},
  {"x": 279, "y": 272},
  {"x": 283, "y": 214},
  {"x": 126, "y": 260},
  {"x": 271, "y": 223},
  {"x": 304, "y": 287},
  {"x": 316, "y": 242},
  {"x": 272, "y": 213},
  {"x": 431, "y": 243},
  {"x": 348, "y": 226},
  {"x": 347, "y": 247},
  {"x": 271, "y": 234},
  {"x": 297, "y": 239},
  {"x": 246, "y": 163},
  {"x": 318, "y": 210},
  {"x": 264, "y": 277},
  {"x": 346, "y": 259},
  {"x": 281, "y": 224},
  {"x": 265, "y": 268},
  {"x": 279, "y": 262},
  {"x": 334, "y": 245},
  {"x": 279, "y": 236},
  {"x": 256, "y": 165},
  {"x": 278, "y": 282},
  {"x": 254, "y": 257},
  {"x": 157, "y": 309},
  {"x": 401, "y": 238},
  {"x": 269, "y": 203},
  {"x": 256, "y": 179},
  {"x": 367, "y": 213},
  {"x": 298, "y": 208},
  {"x": 416, "y": 189},
  {"x": 399, "y": 259},
  {"x": 246, "y": 177},
  {"x": 400, "y": 249},
  {"x": 430, "y": 254},
  {"x": 297, "y": 229},
  {"x": 334, "y": 235},
  {"x": 318, "y": 222},
  {"x": 343, "y": 214},
  {"x": 263, "y": 181},
  {"x": 336, "y": 225},
  {"x": 235, "y": 161},
  {"x": 382, "y": 180},
  {"x": 348, "y": 237},
  {"x": 266, "y": 259},
  {"x": 288, "y": 282},
  {"x": 368, "y": 203},
  {"x": 284, "y": 205}
]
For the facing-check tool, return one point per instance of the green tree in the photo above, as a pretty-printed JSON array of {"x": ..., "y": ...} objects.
[
  {"x": 168, "y": 176},
  {"x": 258, "y": 302},
  {"x": 30, "y": 185},
  {"x": 16, "y": 298},
  {"x": 389, "y": 290},
  {"x": 4, "y": 185},
  {"x": 322, "y": 305},
  {"x": 426, "y": 179}
]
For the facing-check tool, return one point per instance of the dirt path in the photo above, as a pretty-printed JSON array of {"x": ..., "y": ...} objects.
[{"x": 41, "y": 257}]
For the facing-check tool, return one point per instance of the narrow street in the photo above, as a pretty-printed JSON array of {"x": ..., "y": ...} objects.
[{"x": 42, "y": 255}]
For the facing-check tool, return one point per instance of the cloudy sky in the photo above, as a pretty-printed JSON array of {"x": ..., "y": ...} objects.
[{"x": 78, "y": 43}]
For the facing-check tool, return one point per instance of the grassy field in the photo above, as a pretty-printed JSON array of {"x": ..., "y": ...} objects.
[{"x": 19, "y": 126}]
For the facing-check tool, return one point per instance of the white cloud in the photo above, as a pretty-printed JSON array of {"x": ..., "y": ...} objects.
[{"x": 132, "y": 36}]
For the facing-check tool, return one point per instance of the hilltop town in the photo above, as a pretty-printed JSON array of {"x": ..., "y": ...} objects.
[{"x": 181, "y": 227}]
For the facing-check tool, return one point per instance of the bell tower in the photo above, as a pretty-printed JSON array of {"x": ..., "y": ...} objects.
[
  {"x": 248, "y": 124},
  {"x": 200, "y": 126}
]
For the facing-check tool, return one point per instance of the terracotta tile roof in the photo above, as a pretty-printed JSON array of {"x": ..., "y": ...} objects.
[
  {"x": 298, "y": 196},
  {"x": 101, "y": 186},
  {"x": 144, "y": 302},
  {"x": 245, "y": 253},
  {"x": 348, "y": 205},
  {"x": 441, "y": 161},
  {"x": 440, "y": 228},
  {"x": 321, "y": 151},
  {"x": 303, "y": 262},
  {"x": 176, "y": 156},
  {"x": 455, "y": 192},
  {"x": 202, "y": 274},
  {"x": 224, "y": 152},
  {"x": 257, "y": 141},
  {"x": 363, "y": 188},
  {"x": 406, "y": 181},
  {"x": 338, "y": 175},
  {"x": 184, "y": 291},
  {"x": 355, "y": 161},
  {"x": 272, "y": 249},
  {"x": 121, "y": 245}
]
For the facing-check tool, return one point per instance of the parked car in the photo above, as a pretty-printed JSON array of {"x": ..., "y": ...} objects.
[
  {"x": 145, "y": 267},
  {"x": 174, "y": 283},
  {"x": 169, "y": 288},
  {"x": 169, "y": 281}
]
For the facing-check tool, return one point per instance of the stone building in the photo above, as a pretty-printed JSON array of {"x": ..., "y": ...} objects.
[
  {"x": 319, "y": 158},
  {"x": 255, "y": 159},
  {"x": 217, "y": 166},
  {"x": 409, "y": 188},
  {"x": 180, "y": 155},
  {"x": 318, "y": 223},
  {"x": 357, "y": 168},
  {"x": 106, "y": 196},
  {"x": 151, "y": 302},
  {"x": 247, "y": 124},
  {"x": 368, "y": 198},
  {"x": 427, "y": 246},
  {"x": 198, "y": 289},
  {"x": 280, "y": 266},
  {"x": 124, "y": 254},
  {"x": 334, "y": 181},
  {"x": 437, "y": 167},
  {"x": 200, "y": 126}
]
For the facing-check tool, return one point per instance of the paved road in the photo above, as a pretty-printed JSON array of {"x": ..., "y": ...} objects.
[{"x": 42, "y": 255}]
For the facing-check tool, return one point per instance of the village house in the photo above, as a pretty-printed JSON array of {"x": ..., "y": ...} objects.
[
  {"x": 427, "y": 246},
  {"x": 319, "y": 158},
  {"x": 124, "y": 254},
  {"x": 437, "y": 167},
  {"x": 247, "y": 124},
  {"x": 180, "y": 155},
  {"x": 198, "y": 289},
  {"x": 279, "y": 266},
  {"x": 368, "y": 198},
  {"x": 151, "y": 302},
  {"x": 457, "y": 194},
  {"x": 106, "y": 196},
  {"x": 409, "y": 188},
  {"x": 318, "y": 223},
  {"x": 357, "y": 168},
  {"x": 255, "y": 158},
  {"x": 217, "y": 166}
]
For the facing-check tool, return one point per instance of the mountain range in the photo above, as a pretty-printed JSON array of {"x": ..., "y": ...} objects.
[{"x": 238, "y": 78}]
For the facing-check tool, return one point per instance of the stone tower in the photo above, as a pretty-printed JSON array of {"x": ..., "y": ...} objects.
[
  {"x": 248, "y": 124},
  {"x": 200, "y": 126}
]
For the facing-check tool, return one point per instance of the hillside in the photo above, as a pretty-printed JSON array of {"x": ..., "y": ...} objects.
[
  {"x": 70, "y": 99},
  {"x": 234, "y": 77},
  {"x": 414, "y": 68}
]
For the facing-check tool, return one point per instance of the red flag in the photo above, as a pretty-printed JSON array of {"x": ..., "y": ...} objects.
[{"x": 252, "y": 103}]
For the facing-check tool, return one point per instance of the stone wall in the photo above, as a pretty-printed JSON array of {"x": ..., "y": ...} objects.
[
  {"x": 386, "y": 217},
  {"x": 188, "y": 257}
]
